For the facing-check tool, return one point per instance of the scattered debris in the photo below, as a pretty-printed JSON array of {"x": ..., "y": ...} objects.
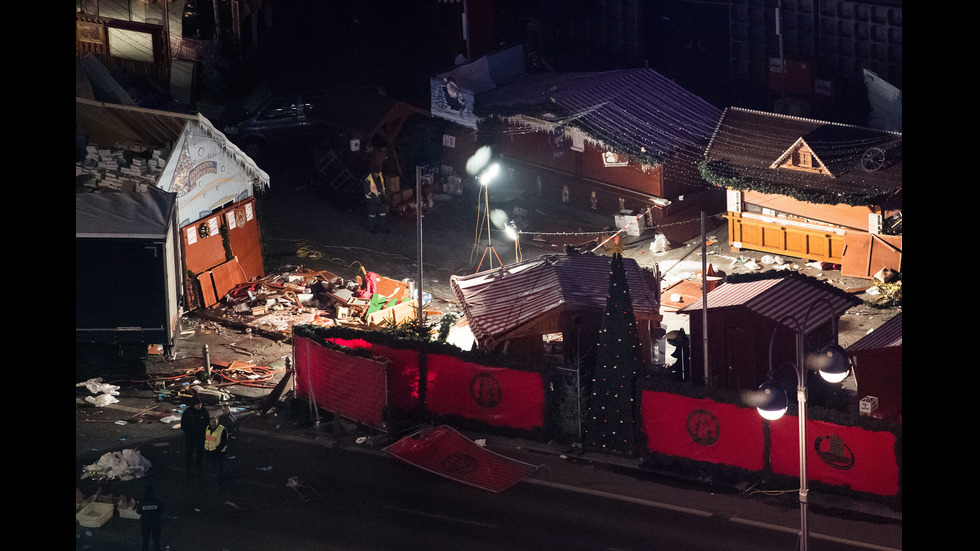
[
  {"x": 275, "y": 303},
  {"x": 127, "y": 464},
  {"x": 305, "y": 492}
]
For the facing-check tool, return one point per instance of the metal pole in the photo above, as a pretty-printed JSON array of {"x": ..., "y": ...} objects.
[
  {"x": 704, "y": 298},
  {"x": 207, "y": 364},
  {"x": 486, "y": 197},
  {"x": 801, "y": 400},
  {"x": 418, "y": 236}
]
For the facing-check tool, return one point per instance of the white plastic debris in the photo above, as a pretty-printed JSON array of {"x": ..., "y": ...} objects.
[
  {"x": 482, "y": 442},
  {"x": 101, "y": 400},
  {"x": 123, "y": 465},
  {"x": 96, "y": 386},
  {"x": 659, "y": 245}
]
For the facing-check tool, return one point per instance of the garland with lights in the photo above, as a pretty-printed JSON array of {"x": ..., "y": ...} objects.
[
  {"x": 724, "y": 175},
  {"x": 636, "y": 155}
]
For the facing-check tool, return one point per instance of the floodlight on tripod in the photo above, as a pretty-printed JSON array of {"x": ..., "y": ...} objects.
[{"x": 484, "y": 178}]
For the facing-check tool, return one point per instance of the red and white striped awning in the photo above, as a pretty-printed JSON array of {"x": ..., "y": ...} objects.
[
  {"x": 791, "y": 300},
  {"x": 887, "y": 335}
]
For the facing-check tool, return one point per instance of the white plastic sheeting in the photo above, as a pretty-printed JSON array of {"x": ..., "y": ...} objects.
[
  {"x": 103, "y": 393},
  {"x": 122, "y": 465}
]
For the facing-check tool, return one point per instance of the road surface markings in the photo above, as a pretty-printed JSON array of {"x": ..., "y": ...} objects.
[
  {"x": 443, "y": 517},
  {"x": 700, "y": 513}
]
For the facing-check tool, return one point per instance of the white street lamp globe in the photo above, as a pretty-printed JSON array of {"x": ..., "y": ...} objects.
[
  {"x": 773, "y": 401},
  {"x": 832, "y": 363}
]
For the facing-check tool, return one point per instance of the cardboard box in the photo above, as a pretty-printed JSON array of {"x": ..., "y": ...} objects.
[
  {"x": 868, "y": 405},
  {"x": 633, "y": 223},
  {"x": 95, "y": 514}
]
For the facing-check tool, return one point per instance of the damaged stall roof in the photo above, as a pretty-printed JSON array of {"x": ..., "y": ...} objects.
[{"x": 497, "y": 302}]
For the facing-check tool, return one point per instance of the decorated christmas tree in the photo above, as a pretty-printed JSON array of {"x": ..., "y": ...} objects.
[{"x": 610, "y": 422}]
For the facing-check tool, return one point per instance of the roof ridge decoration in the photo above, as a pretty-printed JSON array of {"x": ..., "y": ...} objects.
[
  {"x": 800, "y": 156},
  {"x": 811, "y": 120}
]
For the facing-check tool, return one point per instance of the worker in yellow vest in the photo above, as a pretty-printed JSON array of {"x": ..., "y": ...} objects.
[
  {"x": 376, "y": 198},
  {"x": 216, "y": 445}
]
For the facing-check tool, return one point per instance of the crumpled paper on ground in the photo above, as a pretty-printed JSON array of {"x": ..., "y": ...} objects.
[
  {"x": 95, "y": 386},
  {"x": 123, "y": 465}
]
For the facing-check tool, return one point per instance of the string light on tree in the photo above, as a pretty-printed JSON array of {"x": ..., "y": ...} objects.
[{"x": 611, "y": 427}]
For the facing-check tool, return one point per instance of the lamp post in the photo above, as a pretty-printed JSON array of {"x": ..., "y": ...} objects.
[
  {"x": 832, "y": 364},
  {"x": 423, "y": 370}
]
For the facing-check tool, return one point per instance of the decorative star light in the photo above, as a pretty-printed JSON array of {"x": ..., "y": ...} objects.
[{"x": 614, "y": 247}]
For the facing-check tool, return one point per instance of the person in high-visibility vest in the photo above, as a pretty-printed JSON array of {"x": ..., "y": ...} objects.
[
  {"x": 377, "y": 202},
  {"x": 216, "y": 445}
]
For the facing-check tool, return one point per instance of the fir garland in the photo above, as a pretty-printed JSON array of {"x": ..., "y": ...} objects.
[
  {"x": 723, "y": 175},
  {"x": 226, "y": 242}
]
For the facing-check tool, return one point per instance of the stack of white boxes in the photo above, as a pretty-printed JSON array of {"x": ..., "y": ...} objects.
[{"x": 110, "y": 169}]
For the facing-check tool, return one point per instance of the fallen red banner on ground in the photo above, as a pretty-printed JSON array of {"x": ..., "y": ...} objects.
[{"x": 445, "y": 452}]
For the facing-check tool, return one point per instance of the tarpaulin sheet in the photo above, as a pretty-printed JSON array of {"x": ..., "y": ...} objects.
[
  {"x": 860, "y": 459},
  {"x": 445, "y": 452},
  {"x": 703, "y": 430},
  {"x": 495, "y": 395},
  {"x": 350, "y": 386}
]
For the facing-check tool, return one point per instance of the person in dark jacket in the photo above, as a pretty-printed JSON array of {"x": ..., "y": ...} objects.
[
  {"x": 193, "y": 422},
  {"x": 150, "y": 510},
  {"x": 228, "y": 420}
]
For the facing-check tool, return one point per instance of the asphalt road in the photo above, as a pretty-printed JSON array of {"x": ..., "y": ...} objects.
[{"x": 295, "y": 486}]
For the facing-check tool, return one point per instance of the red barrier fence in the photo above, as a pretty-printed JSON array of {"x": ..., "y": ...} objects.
[
  {"x": 403, "y": 373},
  {"x": 703, "y": 430},
  {"x": 446, "y": 452},
  {"x": 494, "y": 395},
  {"x": 860, "y": 459},
  {"x": 700, "y": 429},
  {"x": 350, "y": 386}
]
